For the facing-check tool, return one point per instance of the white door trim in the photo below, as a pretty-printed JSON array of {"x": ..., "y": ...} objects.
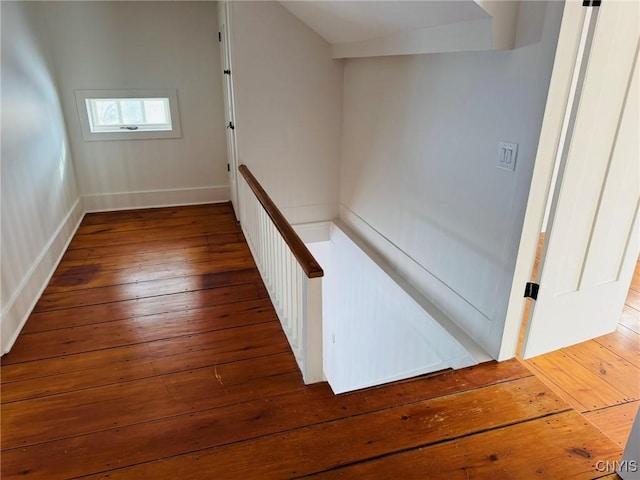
[
  {"x": 224, "y": 20},
  {"x": 562, "y": 89}
]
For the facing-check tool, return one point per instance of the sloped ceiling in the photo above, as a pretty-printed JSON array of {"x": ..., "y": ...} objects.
[
  {"x": 363, "y": 28},
  {"x": 356, "y": 21}
]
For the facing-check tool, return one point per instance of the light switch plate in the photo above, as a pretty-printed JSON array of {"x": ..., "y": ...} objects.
[{"x": 507, "y": 153}]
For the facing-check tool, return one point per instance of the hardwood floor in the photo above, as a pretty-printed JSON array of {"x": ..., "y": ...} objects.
[
  {"x": 600, "y": 378},
  {"x": 155, "y": 353}
]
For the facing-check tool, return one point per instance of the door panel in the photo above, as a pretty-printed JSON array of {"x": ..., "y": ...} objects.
[{"x": 592, "y": 240}]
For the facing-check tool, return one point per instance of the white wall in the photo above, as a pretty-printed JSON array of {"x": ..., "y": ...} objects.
[
  {"x": 418, "y": 178},
  {"x": 288, "y": 95},
  {"x": 138, "y": 45},
  {"x": 40, "y": 207}
]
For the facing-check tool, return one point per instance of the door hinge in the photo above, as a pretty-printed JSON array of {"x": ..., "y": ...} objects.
[
  {"x": 227, "y": 72},
  {"x": 219, "y": 36},
  {"x": 591, "y": 3},
  {"x": 531, "y": 290},
  {"x": 228, "y": 168}
]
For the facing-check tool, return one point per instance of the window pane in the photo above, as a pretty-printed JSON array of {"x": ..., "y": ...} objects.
[
  {"x": 155, "y": 111},
  {"x": 131, "y": 112},
  {"x": 106, "y": 112},
  {"x": 112, "y": 115}
]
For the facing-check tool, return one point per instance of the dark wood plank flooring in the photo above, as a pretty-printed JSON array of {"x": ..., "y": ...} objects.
[{"x": 155, "y": 353}]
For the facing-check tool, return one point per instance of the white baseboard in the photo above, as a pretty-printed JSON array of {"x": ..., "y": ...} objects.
[
  {"x": 103, "y": 202},
  {"x": 19, "y": 307}
]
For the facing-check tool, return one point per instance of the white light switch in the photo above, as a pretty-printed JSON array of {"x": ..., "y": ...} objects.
[{"x": 507, "y": 154}]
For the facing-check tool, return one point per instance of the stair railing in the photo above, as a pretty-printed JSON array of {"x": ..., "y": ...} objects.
[{"x": 291, "y": 275}]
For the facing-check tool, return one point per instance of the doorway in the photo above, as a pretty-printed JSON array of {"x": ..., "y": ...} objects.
[
  {"x": 224, "y": 37},
  {"x": 592, "y": 243}
]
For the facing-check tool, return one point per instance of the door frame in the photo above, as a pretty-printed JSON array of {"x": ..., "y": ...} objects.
[{"x": 224, "y": 9}]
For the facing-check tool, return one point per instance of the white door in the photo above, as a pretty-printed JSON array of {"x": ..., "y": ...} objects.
[
  {"x": 229, "y": 116},
  {"x": 593, "y": 239}
]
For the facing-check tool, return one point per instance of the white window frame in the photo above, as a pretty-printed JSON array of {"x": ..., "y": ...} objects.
[{"x": 82, "y": 97}]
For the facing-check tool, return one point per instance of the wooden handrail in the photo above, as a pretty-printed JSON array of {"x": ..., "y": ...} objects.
[{"x": 309, "y": 265}]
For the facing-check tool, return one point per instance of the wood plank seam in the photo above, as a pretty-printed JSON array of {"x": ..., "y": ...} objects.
[
  {"x": 350, "y": 415},
  {"x": 431, "y": 444},
  {"x": 135, "y": 298}
]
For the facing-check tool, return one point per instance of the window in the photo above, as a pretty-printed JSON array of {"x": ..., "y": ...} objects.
[
  {"x": 114, "y": 114},
  {"x": 128, "y": 114}
]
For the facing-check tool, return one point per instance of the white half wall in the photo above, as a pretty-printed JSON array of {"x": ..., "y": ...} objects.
[
  {"x": 144, "y": 45},
  {"x": 288, "y": 105},
  {"x": 419, "y": 181},
  {"x": 40, "y": 206}
]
